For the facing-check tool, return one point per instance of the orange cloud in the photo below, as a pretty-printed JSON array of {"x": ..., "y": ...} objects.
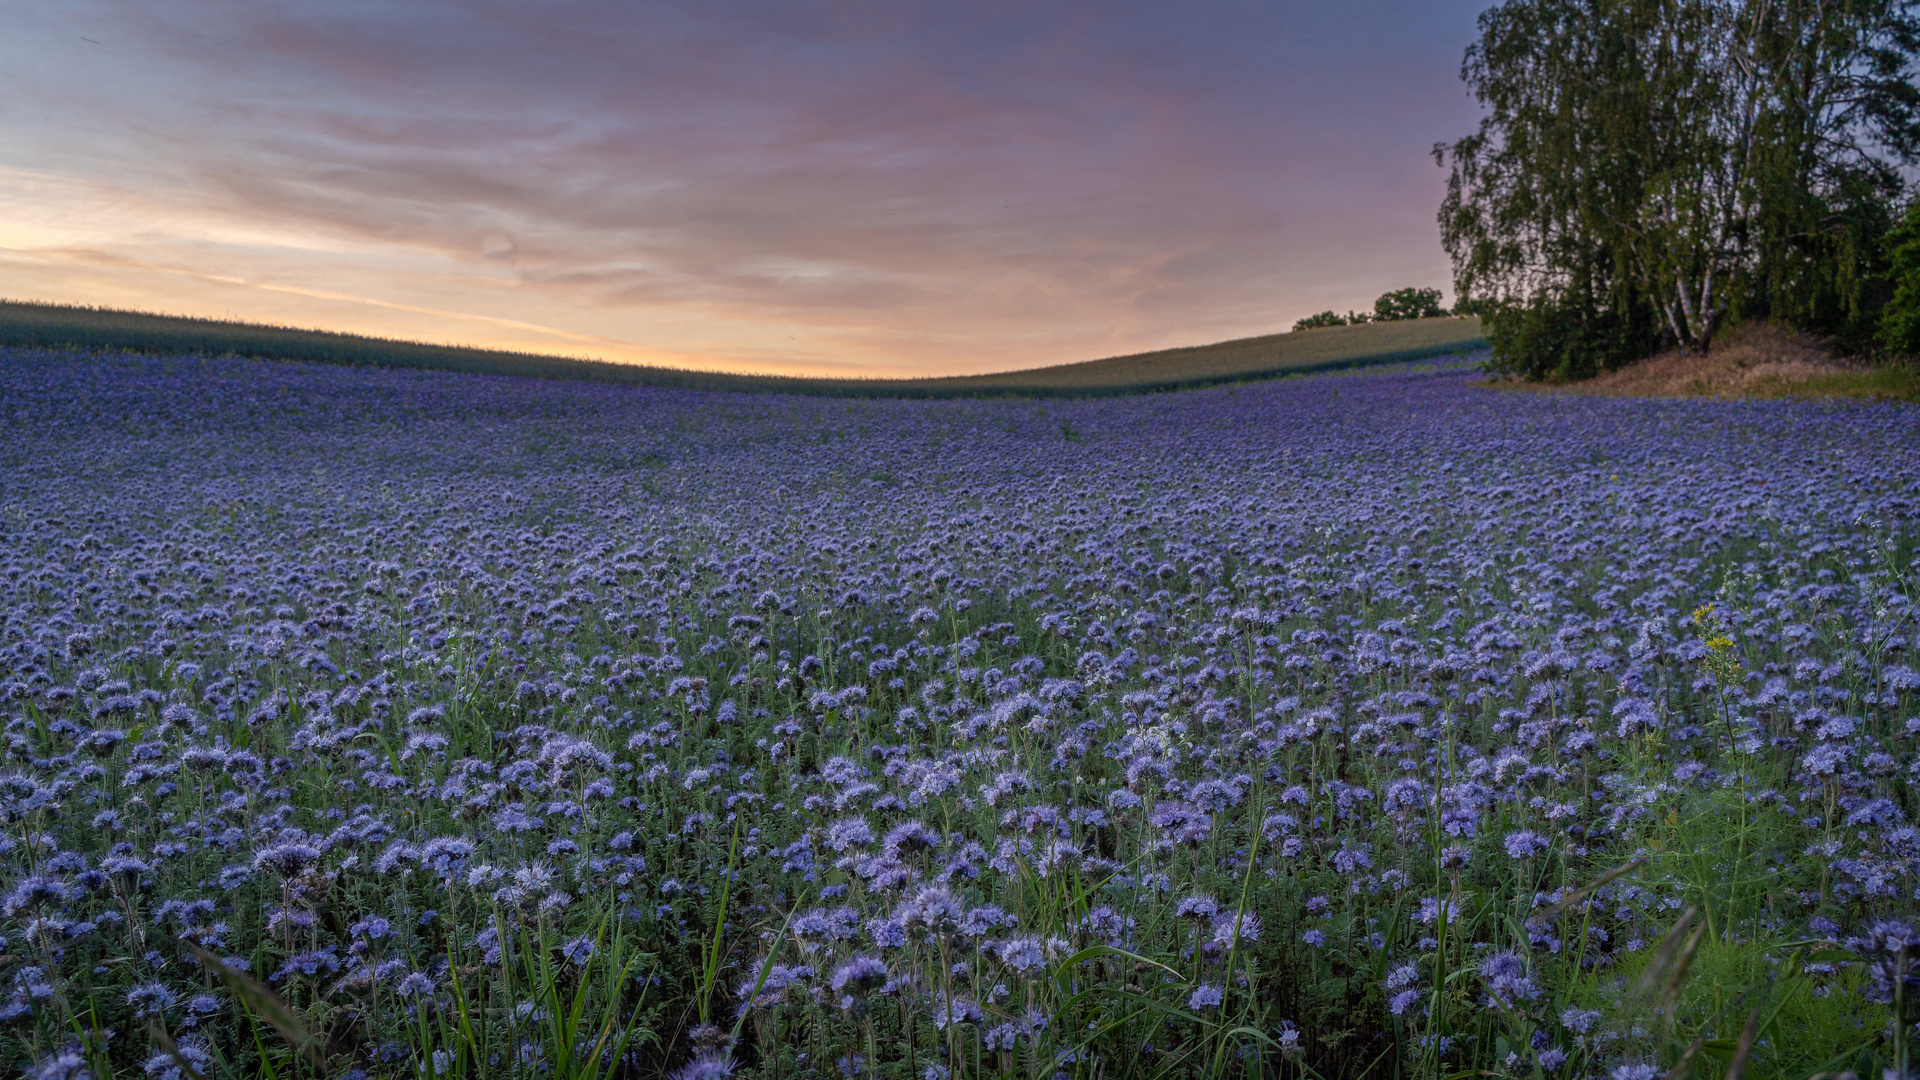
[{"x": 932, "y": 189}]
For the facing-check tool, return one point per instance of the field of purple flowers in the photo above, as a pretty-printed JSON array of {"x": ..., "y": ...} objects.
[{"x": 433, "y": 725}]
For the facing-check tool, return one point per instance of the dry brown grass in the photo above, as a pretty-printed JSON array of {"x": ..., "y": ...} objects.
[{"x": 1746, "y": 362}]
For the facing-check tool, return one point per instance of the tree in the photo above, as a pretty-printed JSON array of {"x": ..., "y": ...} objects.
[
  {"x": 1531, "y": 194},
  {"x": 1841, "y": 113},
  {"x": 1325, "y": 318},
  {"x": 1408, "y": 304},
  {"x": 1899, "y": 329},
  {"x": 1648, "y": 169}
]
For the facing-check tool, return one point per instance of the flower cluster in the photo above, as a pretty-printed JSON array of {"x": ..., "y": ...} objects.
[{"x": 1298, "y": 715}]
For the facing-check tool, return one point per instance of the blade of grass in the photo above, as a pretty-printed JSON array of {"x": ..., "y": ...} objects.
[
  {"x": 627, "y": 1033},
  {"x": 1094, "y": 952},
  {"x": 465, "y": 1018},
  {"x": 1685, "y": 1064},
  {"x": 1218, "y": 1067},
  {"x": 1173, "y": 1011},
  {"x": 1669, "y": 945},
  {"x": 766, "y": 965},
  {"x": 1670, "y": 993},
  {"x": 172, "y": 1050},
  {"x": 259, "y": 1046},
  {"x": 268, "y": 1005},
  {"x": 607, "y": 1029},
  {"x": 1592, "y": 887},
  {"x": 719, "y": 924},
  {"x": 1098, "y": 1033},
  {"x": 1246, "y": 886},
  {"x": 1737, "y": 1068},
  {"x": 580, "y": 992}
]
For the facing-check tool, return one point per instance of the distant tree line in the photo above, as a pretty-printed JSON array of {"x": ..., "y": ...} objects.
[
  {"x": 1391, "y": 307},
  {"x": 1648, "y": 172}
]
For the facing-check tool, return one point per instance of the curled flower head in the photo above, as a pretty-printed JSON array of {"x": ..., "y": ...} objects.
[
  {"x": 288, "y": 861},
  {"x": 416, "y": 984},
  {"x": 1022, "y": 955},
  {"x": 909, "y": 837},
  {"x": 35, "y": 892},
  {"x": 1198, "y": 907},
  {"x": 958, "y": 1009},
  {"x": 849, "y": 832},
  {"x": 1230, "y": 928},
  {"x": 1890, "y": 949},
  {"x": 1525, "y": 844},
  {"x": 706, "y": 1066},
  {"x": 859, "y": 976},
  {"x": 934, "y": 910},
  {"x": 150, "y": 999},
  {"x": 1507, "y": 979},
  {"x": 578, "y": 951},
  {"x": 66, "y": 1065}
]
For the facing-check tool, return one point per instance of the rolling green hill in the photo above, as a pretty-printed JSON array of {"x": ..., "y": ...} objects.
[
  {"x": 56, "y": 326},
  {"x": 1325, "y": 349}
]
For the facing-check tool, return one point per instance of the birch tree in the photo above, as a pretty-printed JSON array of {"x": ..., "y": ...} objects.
[{"x": 1646, "y": 168}]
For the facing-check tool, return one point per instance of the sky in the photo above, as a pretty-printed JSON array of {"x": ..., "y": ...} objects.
[{"x": 897, "y": 188}]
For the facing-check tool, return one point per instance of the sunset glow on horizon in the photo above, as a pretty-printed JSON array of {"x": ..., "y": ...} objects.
[{"x": 835, "y": 189}]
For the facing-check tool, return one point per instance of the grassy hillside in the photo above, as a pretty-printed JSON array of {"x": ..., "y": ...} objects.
[
  {"x": 55, "y": 326},
  {"x": 1324, "y": 349}
]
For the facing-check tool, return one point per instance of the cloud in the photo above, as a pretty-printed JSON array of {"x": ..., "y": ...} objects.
[{"x": 898, "y": 188}]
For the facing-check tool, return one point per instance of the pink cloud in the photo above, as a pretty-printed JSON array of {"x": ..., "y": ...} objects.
[{"x": 899, "y": 188}]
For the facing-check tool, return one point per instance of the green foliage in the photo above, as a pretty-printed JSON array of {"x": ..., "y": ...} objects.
[
  {"x": 1408, "y": 303},
  {"x": 1561, "y": 342},
  {"x": 1720, "y": 971},
  {"x": 1396, "y": 306},
  {"x": 1656, "y": 168},
  {"x": 585, "y": 1002},
  {"x": 1883, "y": 382},
  {"x": 1808, "y": 1022},
  {"x": 1325, "y": 318},
  {"x": 1899, "y": 329}
]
